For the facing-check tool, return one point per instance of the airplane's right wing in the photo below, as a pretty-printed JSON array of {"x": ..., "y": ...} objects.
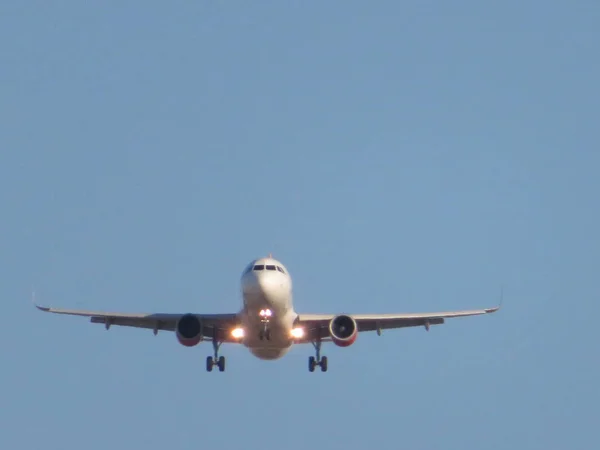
[{"x": 211, "y": 323}]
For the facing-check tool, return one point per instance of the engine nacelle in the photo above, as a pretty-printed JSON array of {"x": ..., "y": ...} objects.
[
  {"x": 189, "y": 330},
  {"x": 343, "y": 330}
]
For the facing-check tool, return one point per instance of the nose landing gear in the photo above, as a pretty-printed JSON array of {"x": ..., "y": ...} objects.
[{"x": 265, "y": 333}]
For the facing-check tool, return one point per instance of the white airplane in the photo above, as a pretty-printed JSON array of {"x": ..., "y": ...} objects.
[{"x": 267, "y": 324}]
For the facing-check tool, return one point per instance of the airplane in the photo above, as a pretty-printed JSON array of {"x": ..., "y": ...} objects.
[{"x": 267, "y": 323}]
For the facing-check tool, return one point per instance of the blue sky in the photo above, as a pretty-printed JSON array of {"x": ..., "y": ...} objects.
[{"x": 396, "y": 156}]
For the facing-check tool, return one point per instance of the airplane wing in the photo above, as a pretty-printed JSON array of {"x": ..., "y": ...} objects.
[
  {"x": 160, "y": 321},
  {"x": 317, "y": 325}
]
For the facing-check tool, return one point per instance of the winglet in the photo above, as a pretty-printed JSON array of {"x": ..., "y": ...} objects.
[
  {"x": 496, "y": 308},
  {"x": 41, "y": 308}
]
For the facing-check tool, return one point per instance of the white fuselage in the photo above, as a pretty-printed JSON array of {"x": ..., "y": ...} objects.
[{"x": 267, "y": 286}]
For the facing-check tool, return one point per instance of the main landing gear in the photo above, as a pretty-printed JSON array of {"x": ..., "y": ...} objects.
[
  {"x": 217, "y": 360},
  {"x": 314, "y": 361}
]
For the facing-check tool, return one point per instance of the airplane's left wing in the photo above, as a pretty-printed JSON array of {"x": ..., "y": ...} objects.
[
  {"x": 221, "y": 323},
  {"x": 317, "y": 325}
]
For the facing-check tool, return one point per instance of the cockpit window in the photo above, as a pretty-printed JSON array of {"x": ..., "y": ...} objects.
[
  {"x": 280, "y": 269},
  {"x": 259, "y": 267},
  {"x": 270, "y": 267}
]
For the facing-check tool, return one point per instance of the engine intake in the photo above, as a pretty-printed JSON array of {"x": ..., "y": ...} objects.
[
  {"x": 343, "y": 330},
  {"x": 188, "y": 330}
]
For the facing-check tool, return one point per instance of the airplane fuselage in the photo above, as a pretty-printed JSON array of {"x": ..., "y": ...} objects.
[{"x": 267, "y": 313}]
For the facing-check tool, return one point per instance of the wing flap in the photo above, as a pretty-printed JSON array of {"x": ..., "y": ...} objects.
[
  {"x": 164, "y": 325},
  {"x": 374, "y": 325}
]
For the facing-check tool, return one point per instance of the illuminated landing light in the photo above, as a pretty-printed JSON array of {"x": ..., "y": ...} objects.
[
  {"x": 297, "y": 333},
  {"x": 237, "y": 333},
  {"x": 265, "y": 313}
]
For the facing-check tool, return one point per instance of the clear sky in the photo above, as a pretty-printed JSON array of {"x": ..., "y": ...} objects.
[{"x": 396, "y": 156}]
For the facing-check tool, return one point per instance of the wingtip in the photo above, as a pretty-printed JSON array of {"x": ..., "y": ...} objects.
[
  {"x": 501, "y": 299},
  {"x": 496, "y": 308},
  {"x": 40, "y": 307}
]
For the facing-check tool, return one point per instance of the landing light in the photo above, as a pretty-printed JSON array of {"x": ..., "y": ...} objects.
[
  {"x": 237, "y": 333},
  {"x": 265, "y": 313},
  {"x": 298, "y": 333}
]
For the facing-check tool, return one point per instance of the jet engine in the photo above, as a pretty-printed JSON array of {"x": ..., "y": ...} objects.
[
  {"x": 188, "y": 330},
  {"x": 343, "y": 330}
]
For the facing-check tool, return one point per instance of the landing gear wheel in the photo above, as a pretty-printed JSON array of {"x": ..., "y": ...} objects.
[
  {"x": 311, "y": 363},
  {"x": 323, "y": 364},
  {"x": 209, "y": 363},
  {"x": 221, "y": 364}
]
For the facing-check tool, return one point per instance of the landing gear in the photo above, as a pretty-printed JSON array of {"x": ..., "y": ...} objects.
[
  {"x": 217, "y": 360},
  {"x": 265, "y": 334},
  {"x": 314, "y": 361}
]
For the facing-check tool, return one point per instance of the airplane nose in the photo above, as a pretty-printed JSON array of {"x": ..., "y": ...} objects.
[
  {"x": 258, "y": 283},
  {"x": 252, "y": 284}
]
